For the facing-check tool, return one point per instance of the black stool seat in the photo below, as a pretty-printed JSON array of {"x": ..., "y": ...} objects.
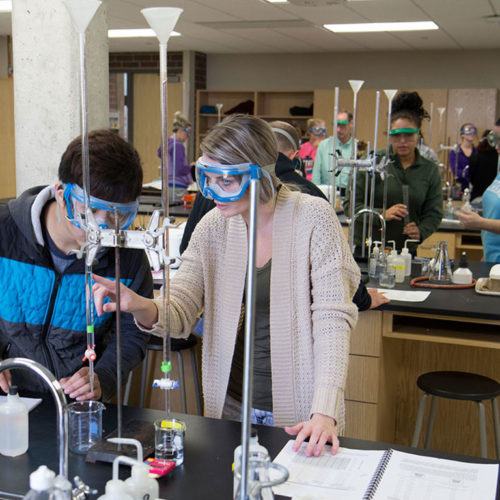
[
  {"x": 459, "y": 385},
  {"x": 463, "y": 386},
  {"x": 156, "y": 343}
]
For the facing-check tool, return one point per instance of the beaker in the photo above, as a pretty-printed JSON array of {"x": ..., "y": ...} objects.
[
  {"x": 440, "y": 269},
  {"x": 169, "y": 439},
  {"x": 85, "y": 425}
]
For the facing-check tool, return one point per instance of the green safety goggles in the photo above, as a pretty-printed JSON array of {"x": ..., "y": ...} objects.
[
  {"x": 493, "y": 139},
  {"x": 341, "y": 122},
  {"x": 397, "y": 131}
]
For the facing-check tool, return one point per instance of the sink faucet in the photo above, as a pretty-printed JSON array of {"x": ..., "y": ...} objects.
[
  {"x": 59, "y": 398},
  {"x": 367, "y": 211}
]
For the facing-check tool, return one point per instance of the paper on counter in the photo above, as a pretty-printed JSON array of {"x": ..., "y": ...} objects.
[
  {"x": 345, "y": 475},
  {"x": 404, "y": 295},
  {"x": 29, "y": 402}
]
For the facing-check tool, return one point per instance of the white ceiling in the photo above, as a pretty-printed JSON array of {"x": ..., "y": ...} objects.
[{"x": 254, "y": 26}]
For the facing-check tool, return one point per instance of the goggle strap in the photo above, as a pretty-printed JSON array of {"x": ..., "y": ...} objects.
[{"x": 284, "y": 133}]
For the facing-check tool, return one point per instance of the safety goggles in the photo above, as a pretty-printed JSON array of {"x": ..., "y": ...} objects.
[
  {"x": 228, "y": 182},
  {"x": 318, "y": 131},
  {"x": 103, "y": 211},
  {"x": 469, "y": 130},
  {"x": 406, "y": 131},
  {"x": 188, "y": 130},
  {"x": 493, "y": 139}
]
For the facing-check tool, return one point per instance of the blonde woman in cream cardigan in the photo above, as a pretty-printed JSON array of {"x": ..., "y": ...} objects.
[{"x": 304, "y": 307}]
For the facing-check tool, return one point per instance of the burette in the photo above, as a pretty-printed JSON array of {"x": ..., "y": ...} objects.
[
  {"x": 154, "y": 241},
  {"x": 81, "y": 15}
]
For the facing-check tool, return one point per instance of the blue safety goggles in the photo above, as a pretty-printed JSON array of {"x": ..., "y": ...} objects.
[
  {"x": 104, "y": 211},
  {"x": 469, "y": 130},
  {"x": 188, "y": 130},
  {"x": 318, "y": 131},
  {"x": 229, "y": 182}
]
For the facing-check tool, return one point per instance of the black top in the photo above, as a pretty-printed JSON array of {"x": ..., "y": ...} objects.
[
  {"x": 208, "y": 454},
  {"x": 483, "y": 170},
  {"x": 449, "y": 302}
]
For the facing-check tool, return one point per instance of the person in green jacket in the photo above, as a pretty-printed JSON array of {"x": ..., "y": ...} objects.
[{"x": 422, "y": 215}]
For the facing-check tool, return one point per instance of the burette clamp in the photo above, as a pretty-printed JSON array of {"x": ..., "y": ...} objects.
[{"x": 150, "y": 240}]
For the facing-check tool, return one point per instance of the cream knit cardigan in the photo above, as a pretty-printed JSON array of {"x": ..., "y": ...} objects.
[{"x": 313, "y": 280}]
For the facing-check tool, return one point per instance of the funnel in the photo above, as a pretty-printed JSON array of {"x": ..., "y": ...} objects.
[
  {"x": 162, "y": 20},
  {"x": 82, "y": 12},
  {"x": 356, "y": 85},
  {"x": 219, "y": 110},
  {"x": 390, "y": 93}
]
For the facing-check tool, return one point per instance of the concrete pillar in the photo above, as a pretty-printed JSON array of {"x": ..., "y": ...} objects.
[
  {"x": 4, "y": 57},
  {"x": 47, "y": 85}
]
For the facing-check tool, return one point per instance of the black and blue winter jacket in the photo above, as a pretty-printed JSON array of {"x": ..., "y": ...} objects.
[{"x": 42, "y": 311}]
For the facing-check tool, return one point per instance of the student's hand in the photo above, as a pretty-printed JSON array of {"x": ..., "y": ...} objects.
[
  {"x": 78, "y": 385},
  {"x": 412, "y": 230},
  {"x": 320, "y": 430},
  {"x": 143, "y": 309},
  {"x": 5, "y": 379},
  {"x": 377, "y": 298},
  {"x": 470, "y": 220},
  {"x": 396, "y": 212}
]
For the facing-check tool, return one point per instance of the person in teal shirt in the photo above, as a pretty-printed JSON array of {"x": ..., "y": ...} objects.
[
  {"x": 423, "y": 214},
  {"x": 323, "y": 163},
  {"x": 489, "y": 224}
]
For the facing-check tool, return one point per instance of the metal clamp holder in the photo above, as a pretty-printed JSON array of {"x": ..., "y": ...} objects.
[{"x": 150, "y": 240}]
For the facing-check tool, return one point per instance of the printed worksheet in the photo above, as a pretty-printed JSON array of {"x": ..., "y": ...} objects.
[
  {"x": 413, "y": 477},
  {"x": 345, "y": 475}
]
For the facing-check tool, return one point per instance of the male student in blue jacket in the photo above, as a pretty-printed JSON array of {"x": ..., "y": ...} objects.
[{"x": 42, "y": 282}]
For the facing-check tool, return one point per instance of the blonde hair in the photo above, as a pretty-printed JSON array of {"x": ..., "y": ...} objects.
[
  {"x": 315, "y": 122},
  {"x": 244, "y": 139},
  {"x": 180, "y": 121}
]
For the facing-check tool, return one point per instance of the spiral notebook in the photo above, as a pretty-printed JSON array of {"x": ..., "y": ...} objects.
[{"x": 383, "y": 475}]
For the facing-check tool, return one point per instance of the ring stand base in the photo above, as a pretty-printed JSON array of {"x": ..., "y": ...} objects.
[{"x": 142, "y": 430}]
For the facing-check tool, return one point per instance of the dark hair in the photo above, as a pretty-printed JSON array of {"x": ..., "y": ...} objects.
[
  {"x": 497, "y": 124},
  {"x": 115, "y": 167},
  {"x": 409, "y": 105},
  {"x": 484, "y": 145},
  {"x": 348, "y": 113}
]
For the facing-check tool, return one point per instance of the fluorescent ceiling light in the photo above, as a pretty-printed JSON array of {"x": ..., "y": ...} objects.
[
  {"x": 5, "y": 5},
  {"x": 277, "y": 1},
  {"x": 135, "y": 33},
  {"x": 375, "y": 27}
]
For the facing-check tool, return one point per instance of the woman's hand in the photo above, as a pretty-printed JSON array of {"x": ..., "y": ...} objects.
[
  {"x": 377, "y": 298},
  {"x": 412, "y": 230},
  {"x": 320, "y": 430},
  {"x": 143, "y": 309},
  {"x": 396, "y": 212},
  {"x": 470, "y": 220}
]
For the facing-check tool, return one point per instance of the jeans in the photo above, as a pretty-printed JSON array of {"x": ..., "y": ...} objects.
[{"x": 232, "y": 411}]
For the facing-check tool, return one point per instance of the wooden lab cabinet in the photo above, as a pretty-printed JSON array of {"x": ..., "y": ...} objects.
[{"x": 269, "y": 105}]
